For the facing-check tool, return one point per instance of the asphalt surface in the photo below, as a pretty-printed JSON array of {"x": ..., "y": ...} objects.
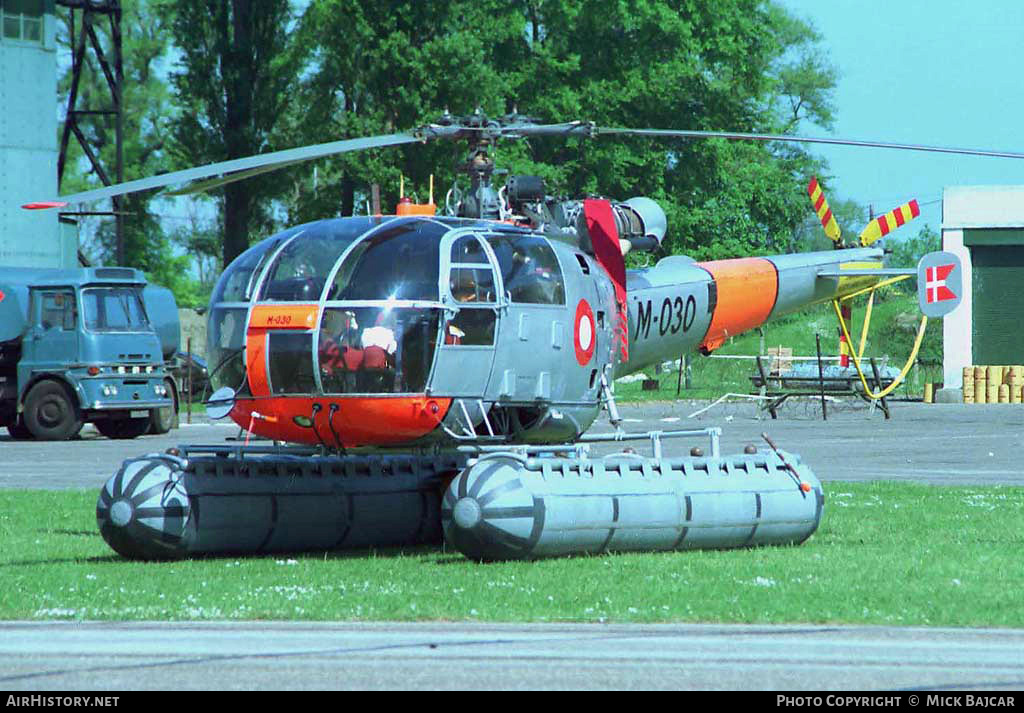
[
  {"x": 937, "y": 444},
  {"x": 942, "y": 444},
  {"x": 295, "y": 656}
]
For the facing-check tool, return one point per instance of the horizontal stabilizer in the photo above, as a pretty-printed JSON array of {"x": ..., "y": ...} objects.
[{"x": 866, "y": 272}]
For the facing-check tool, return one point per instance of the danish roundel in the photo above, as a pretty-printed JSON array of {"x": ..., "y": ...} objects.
[{"x": 584, "y": 333}]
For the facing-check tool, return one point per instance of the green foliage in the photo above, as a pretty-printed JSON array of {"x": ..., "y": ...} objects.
[
  {"x": 908, "y": 251},
  {"x": 894, "y": 321},
  {"x": 742, "y": 64},
  {"x": 251, "y": 78},
  {"x": 804, "y": 75},
  {"x": 232, "y": 85},
  {"x": 886, "y": 553}
]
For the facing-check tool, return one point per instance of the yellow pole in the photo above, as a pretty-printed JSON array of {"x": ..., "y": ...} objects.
[{"x": 856, "y": 357}]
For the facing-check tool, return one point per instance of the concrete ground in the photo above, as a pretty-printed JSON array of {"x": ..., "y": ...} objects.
[
  {"x": 942, "y": 444},
  {"x": 117, "y": 656}
]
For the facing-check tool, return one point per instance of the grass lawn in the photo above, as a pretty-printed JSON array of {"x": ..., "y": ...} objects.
[{"x": 886, "y": 553}]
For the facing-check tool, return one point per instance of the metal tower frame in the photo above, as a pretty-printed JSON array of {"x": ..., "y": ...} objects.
[{"x": 83, "y": 37}]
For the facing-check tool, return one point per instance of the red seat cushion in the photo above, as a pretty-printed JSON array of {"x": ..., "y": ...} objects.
[
  {"x": 376, "y": 358},
  {"x": 353, "y": 359}
]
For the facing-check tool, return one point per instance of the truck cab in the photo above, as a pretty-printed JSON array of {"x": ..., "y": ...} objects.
[{"x": 78, "y": 346}]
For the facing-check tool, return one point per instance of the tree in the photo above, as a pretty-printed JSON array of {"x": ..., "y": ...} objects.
[
  {"x": 850, "y": 215},
  {"x": 232, "y": 86},
  {"x": 804, "y": 77},
  {"x": 364, "y": 67},
  {"x": 688, "y": 64},
  {"x": 908, "y": 251},
  {"x": 146, "y": 104},
  {"x": 400, "y": 64}
]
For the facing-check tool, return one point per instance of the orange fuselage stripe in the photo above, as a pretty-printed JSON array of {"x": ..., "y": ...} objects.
[
  {"x": 358, "y": 421},
  {"x": 283, "y": 317},
  {"x": 268, "y": 317},
  {"x": 747, "y": 290},
  {"x": 363, "y": 420}
]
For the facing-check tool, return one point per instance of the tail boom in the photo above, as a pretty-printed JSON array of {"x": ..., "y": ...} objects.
[{"x": 680, "y": 305}]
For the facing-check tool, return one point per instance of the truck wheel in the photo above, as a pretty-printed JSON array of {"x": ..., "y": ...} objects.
[
  {"x": 163, "y": 420},
  {"x": 122, "y": 427},
  {"x": 19, "y": 432},
  {"x": 51, "y": 414}
]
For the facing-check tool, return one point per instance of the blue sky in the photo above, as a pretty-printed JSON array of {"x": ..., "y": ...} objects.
[{"x": 937, "y": 73}]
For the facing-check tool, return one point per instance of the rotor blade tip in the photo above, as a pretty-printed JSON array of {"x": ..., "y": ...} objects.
[{"x": 44, "y": 205}]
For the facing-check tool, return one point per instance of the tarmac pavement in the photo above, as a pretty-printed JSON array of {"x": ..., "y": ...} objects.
[
  {"x": 941, "y": 444},
  {"x": 116, "y": 656}
]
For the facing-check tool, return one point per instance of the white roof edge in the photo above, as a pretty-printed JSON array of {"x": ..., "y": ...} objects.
[{"x": 995, "y": 206}]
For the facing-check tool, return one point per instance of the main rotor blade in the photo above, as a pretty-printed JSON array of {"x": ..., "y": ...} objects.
[
  {"x": 244, "y": 166},
  {"x": 202, "y": 186},
  {"x": 805, "y": 140}
]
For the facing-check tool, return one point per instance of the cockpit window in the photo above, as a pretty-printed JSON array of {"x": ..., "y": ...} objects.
[
  {"x": 470, "y": 277},
  {"x": 291, "y": 367},
  {"x": 301, "y": 268},
  {"x": 225, "y": 344},
  {"x": 397, "y": 263},
  {"x": 472, "y": 284},
  {"x": 238, "y": 279},
  {"x": 468, "y": 249},
  {"x": 376, "y": 349},
  {"x": 529, "y": 269}
]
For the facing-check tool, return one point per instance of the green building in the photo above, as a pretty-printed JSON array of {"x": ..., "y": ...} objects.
[
  {"x": 28, "y": 137},
  {"x": 984, "y": 226}
]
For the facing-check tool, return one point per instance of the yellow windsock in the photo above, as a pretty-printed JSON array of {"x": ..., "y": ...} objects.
[
  {"x": 828, "y": 221},
  {"x": 884, "y": 224}
]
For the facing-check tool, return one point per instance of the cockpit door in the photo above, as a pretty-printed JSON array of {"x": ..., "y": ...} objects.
[{"x": 470, "y": 288}]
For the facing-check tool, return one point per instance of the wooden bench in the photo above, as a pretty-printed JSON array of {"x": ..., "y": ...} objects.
[{"x": 778, "y": 387}]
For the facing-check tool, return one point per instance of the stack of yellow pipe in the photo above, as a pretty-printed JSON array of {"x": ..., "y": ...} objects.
[
  {"x": 993, "y": 384},
  {"x": 1015, "y": 380}
]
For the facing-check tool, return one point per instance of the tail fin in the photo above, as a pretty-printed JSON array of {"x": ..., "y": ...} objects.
[{"x": 939, "y": 283}]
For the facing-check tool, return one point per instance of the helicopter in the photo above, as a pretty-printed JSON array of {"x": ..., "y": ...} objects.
[{"x": 464, "y": 351}]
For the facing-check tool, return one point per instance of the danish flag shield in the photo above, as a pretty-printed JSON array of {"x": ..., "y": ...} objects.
[{"x": 939, "y": 283}]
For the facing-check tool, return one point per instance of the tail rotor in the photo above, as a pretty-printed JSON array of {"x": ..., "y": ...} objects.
[{"x": 873, "y": 231}]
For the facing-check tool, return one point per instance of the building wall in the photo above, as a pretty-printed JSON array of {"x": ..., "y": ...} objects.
[
  {"x": 966, "y": 208},
  {"x": 28, "y": 141}
]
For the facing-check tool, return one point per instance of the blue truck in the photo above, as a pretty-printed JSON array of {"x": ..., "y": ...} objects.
[{"x": 86, "y": 345}]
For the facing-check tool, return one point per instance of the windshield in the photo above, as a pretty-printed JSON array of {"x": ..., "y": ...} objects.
[
  {"x": 300, "y": 270},
  {"x": 397, "y": 263},
  {"x": 372, "y": 350},
  {"x": 114, "y": 309}
]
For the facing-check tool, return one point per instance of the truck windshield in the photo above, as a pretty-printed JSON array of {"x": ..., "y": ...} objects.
[{"x": 113, "y": 309}]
